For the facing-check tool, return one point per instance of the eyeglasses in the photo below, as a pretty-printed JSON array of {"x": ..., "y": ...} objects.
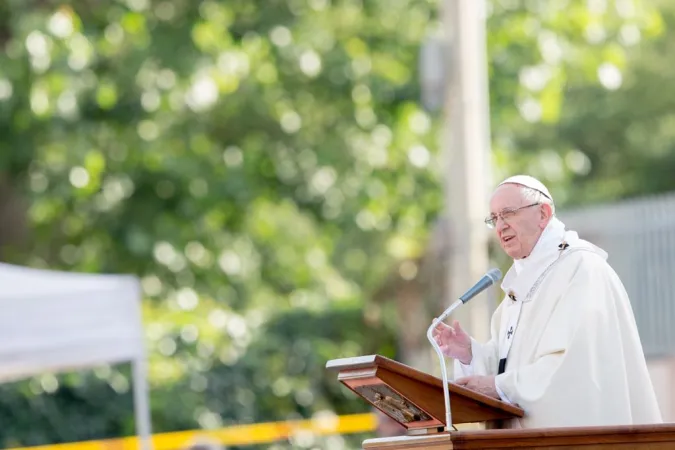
[{"x": 505, "y": 214}]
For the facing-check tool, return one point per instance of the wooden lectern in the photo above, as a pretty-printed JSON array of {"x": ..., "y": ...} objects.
[{"x": 415, "y": 400}]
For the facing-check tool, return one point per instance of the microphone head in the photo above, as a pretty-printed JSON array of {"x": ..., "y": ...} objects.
[
  {"x": 490, "y": 278},
  {"x": 494, "y": 275}
]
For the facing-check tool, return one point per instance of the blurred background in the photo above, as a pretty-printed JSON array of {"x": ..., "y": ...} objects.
[{"x": 294, "y": 181}]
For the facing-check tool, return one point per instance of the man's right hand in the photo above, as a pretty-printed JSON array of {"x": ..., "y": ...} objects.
[{"x": 453, "y": 341}]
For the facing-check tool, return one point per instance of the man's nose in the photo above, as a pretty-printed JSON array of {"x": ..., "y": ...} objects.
[{"x": 501, "y": 224}]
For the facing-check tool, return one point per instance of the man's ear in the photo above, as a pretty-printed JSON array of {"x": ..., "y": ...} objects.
[{"x": 546, "y": 213}]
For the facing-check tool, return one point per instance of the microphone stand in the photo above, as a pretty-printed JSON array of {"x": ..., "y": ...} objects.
[{"x": 444, "y": 371}]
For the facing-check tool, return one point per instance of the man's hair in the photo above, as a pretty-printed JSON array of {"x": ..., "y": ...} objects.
[{"x": 534, "y": 196}]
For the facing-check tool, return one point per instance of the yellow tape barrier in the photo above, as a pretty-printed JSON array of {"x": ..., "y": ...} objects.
[{"x": 258, "y": 433}]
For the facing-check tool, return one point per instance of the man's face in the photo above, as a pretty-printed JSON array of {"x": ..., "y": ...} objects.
[{"x": 519, "y": 231}]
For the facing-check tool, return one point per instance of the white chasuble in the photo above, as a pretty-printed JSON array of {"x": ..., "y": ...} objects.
[{"x": 567, "y": 340}]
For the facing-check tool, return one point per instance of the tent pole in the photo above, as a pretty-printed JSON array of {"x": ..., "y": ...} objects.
[{"x": 142, "y": 403}]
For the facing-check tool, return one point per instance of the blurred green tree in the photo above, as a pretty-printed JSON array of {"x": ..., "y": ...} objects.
[
  {"x": 591, "y": 110},
  {"x": 260, "y": 165}
]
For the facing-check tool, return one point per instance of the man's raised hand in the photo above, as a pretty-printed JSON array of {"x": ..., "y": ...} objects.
[{"x": 453, "y": 341}]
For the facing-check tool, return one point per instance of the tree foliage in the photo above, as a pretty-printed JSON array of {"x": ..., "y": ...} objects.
[
  {"x": 590, "y": 107},
  {"x": 260, "y": 165}
]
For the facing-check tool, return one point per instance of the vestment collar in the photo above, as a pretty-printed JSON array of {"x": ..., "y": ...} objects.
[{"x": 554, "y": 241}]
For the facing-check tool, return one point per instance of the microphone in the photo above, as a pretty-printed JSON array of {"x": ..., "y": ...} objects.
[{"x": 490, "y": 278}]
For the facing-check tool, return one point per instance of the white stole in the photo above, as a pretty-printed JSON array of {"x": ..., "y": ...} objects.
[{"x": 524, "y": 277}]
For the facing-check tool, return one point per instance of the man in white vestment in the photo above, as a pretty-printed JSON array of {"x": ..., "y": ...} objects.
[{"x": 564, "y": 344}]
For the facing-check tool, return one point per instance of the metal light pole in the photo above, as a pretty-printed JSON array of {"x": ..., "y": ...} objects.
[
  {"x": 454, "y": 77},
  {"x": 467, "y": 150}
]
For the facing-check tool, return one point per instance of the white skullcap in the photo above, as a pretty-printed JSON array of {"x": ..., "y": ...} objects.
[{"x": 531, "y": 182}]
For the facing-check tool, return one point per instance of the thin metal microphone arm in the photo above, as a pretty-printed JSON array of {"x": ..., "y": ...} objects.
[
  {"x": 439, "y": 352},
  {"x": 486, "y": 281}
]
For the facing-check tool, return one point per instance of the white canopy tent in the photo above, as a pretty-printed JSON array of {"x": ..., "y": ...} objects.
[{"x": 54, "y": 321}]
